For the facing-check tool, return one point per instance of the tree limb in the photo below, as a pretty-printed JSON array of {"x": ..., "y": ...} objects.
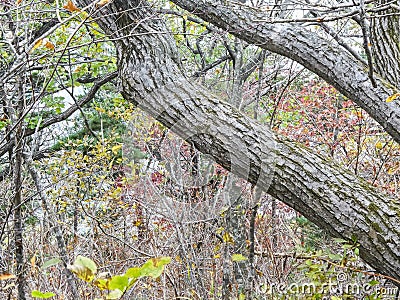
[
  {"x": 68, "y": 112},
  {"x": 326, "y": 59}
]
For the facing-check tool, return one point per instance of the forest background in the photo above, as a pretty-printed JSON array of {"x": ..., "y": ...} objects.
[{"x": 107, "y": 196}]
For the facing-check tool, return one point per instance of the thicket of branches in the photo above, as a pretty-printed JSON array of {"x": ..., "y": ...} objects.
[{"x": 85, "y": 172}]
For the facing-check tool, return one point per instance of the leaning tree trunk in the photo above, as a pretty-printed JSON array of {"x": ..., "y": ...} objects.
[{"x": 329, "y": 196}]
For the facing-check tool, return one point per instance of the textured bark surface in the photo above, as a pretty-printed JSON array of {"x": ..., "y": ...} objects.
[
  {"x": 385, "y": 32},
  {"x": 325, "y": 58},
  {"x": 336, "y": 200}
]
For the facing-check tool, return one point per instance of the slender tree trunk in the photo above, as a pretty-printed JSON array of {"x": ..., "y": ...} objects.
[
  {"x": 235, "y": 218},
  {"x": 226, "y": 273},
  {"x": 252, "y": 234},
  {"x": 56, "y": 229},
  {"x": 17, "y": 200},
  {"x": 18, "y": 223},
  {"x": 274, "y": 230},
  {"x": 237, "y": 82}
]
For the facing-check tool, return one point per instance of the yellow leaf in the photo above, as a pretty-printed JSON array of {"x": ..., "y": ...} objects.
[
  {"x": 37, "y": 45},
  {"x": 393, "y": 170},
  {"x": 18, "y": 1},
  {"x": 102, "y": 280},
  {"x": 102, "y": 3},
  {"x": 43, "y": 42},
  {"x": 227, "y": 238},
  {"x": 393, "y": 97},
  {"x": 6, "y": 276},
  {"x": 115, "y": 149},
  {"x": 379, "y": 145},
  {"x": 238, "y": 257},
  {"x": 33, "y": 261},
  {"x": 100, "y": 109},
  {"x": 70, "y": 6}
]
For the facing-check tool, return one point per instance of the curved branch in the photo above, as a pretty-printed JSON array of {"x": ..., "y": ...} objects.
[
  {"x": 68, "y": 112},
  {"x": 325, "y": 58}
]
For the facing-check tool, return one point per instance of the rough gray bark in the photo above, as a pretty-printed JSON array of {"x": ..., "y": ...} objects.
[
  {"x": 385, "y": 31},
  {"x": 325, "y": 58},
  {"x": 334, "y": 199}
]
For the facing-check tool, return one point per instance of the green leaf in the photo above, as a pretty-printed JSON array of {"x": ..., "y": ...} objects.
[
  {"x": 39, "y": 294},
  {"x": 347, "y": 246},
  {"x": 133, "y": 273},
  {"x": 114, "y": 294},
  {"x": 119, "y": 282},
  {"x": 373, "y": 282},
  {"x": 341, "y": 241},
  {"x": 238, "y": 257},
  {"x": 50, "y": 263},
  {"x": 335, "y": 257},
  {"x": 86, "y": 262},
  {"x": 102, "y": 283},
  {"x": 84, "y": 268},
  {"x": 3, "y": 124},
  {"x": 154, "y": 267}
]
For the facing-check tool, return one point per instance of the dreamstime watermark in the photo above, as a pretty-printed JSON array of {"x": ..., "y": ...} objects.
[
  {"x": 209, "y": 125},
  {"x": 340, "y": 285}
]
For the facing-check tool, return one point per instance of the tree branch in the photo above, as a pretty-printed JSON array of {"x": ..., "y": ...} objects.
[
  {"x": 320, "y": 56},
  {"x": 68, "y": 112}
]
